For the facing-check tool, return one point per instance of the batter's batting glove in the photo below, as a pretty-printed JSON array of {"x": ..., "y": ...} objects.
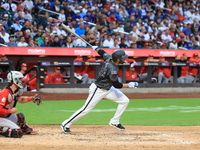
[
  {"x": 132, "y": 84},
  {"x": 95, "y": 48},
  {"x": 37, "y": 99}
]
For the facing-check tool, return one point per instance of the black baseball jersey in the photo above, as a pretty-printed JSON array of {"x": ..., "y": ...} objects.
[{"x": 108, "y": 73}]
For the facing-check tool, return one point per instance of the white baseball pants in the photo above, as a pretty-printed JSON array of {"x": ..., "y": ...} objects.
[
  {"x": 9, "y": 122},
  {"x": 95, "y": 95}
]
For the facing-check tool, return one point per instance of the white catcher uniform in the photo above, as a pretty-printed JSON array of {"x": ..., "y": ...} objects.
[{"x": 102, "y": 88}]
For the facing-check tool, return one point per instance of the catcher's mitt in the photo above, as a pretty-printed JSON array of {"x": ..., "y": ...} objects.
[{"x": 37, "y": 99}]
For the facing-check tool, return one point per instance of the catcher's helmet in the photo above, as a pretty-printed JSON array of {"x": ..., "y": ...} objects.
[
  {"x": 119, "y": 54},
  {"x": 14, "y": 77}
]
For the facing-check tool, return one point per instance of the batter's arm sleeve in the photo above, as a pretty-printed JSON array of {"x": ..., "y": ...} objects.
[
  {"x": 101, "y": 52},
  {"x": 117, "y": 84}
]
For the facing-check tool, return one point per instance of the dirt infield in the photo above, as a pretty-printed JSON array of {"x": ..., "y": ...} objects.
[
  {"x": 87, "y": 137},
  {"x": 107, "y": 138}
]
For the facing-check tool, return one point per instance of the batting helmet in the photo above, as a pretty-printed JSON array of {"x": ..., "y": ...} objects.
[{"x": 119, "y": 54}]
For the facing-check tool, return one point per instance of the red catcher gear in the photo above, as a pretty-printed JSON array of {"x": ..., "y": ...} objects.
[
  {"x": 24, "y": 127},
  {"x": 6, "y": 102}
]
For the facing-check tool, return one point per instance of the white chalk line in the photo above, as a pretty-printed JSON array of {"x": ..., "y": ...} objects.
[
  {"x": 146, "y": 140},
  {"x": 181, "y": 109},
  {"x": 180, "y": 141}
]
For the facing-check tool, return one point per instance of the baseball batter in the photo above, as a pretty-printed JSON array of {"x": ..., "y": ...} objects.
[
  {"x": 105, "y": 87},
  {"x": 12, "y": 124}
]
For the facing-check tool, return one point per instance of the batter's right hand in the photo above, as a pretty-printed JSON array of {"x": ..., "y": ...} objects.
[
  {"x": 14, "y": 110},
  {"x": 132, "y": 84}
]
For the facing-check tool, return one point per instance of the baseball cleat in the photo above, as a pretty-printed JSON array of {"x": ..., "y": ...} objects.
[
  {"x": 29, "y": 131},
  {"x": 118, "y": 126},
  {"x": 65, "y": 130}
]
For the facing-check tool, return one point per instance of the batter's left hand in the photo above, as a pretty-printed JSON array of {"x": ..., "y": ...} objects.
[{"x": 132, "y": 84}]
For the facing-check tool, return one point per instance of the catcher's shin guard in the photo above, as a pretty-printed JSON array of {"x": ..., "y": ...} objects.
[
  {"x": 15, "y": 133},
  {"x": 22, "y": 123}
]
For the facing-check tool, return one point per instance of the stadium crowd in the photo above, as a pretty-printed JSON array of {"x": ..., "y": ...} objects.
[{"x": 149, "y": 24}]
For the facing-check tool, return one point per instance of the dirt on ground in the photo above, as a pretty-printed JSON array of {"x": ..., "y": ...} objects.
[{"x": 99, "y": 137}]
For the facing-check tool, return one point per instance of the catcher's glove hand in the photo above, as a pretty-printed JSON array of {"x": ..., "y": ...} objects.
[{"x": 37, "y": 99}]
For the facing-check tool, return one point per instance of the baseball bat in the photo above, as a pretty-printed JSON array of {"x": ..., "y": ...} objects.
[
  {"x": 72, "y": 32},
  {"x": 67, "y": 28}
]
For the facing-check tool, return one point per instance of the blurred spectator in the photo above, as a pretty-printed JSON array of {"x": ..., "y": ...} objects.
[
  {"x": 29, "y": 5},
  {"x": 164, "y": 73},
  {"x": 55, "y": 42},
  {"x": 133, "y": 45},
  {"x": 108, "y": 42},
  {"x": 7, "y": 23},
  {"x": 115, "y": 44},
  {"x": 80, "y": 30},
  {"x": 17, "y": 25},
  {"x": 26, "y": 26},
  {"x": 189, "y": 45},
  {"x": 22, "y": 42},
  {"x": 11, "y": 42},
  {"x": 27, "y": 35},
  {"x": 9, "y": 6},
  {"x": 62, "y": 16},
  {"x": 163, "y": 46},
  {"x": 68, "y": 42},
  {"x": 127, "y": 27},
  {"x": 122, "y": 43},
  {"x": 26, "y": 15},
  {"x": 141, "y": 42},
  {"x": 182, "y": 43},
  {"x": 193, "y": 71},
  {"x": 187, "y": 30},
  {"x": 46, "y": 42},
  {"x": 60, "y": 31},
  {"x": 166, "y": 38},
  {"x": 4, "y": 35},
  {"x": 41, "y": 39},
  {"x": 78, "y": 42},
  {"x": 173, "y": 44},
  {"x": 42, "y": 20},
  {"x": 57, "y": 77},
  {"x": 35, "y": 42},
  {"x": 31, "y": 43}
]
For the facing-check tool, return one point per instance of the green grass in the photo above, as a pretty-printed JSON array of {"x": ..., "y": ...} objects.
[{"x": 158, "y": 112}]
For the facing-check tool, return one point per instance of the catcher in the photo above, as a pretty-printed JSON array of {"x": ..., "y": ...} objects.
[{"x": 13, "y": 124}]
